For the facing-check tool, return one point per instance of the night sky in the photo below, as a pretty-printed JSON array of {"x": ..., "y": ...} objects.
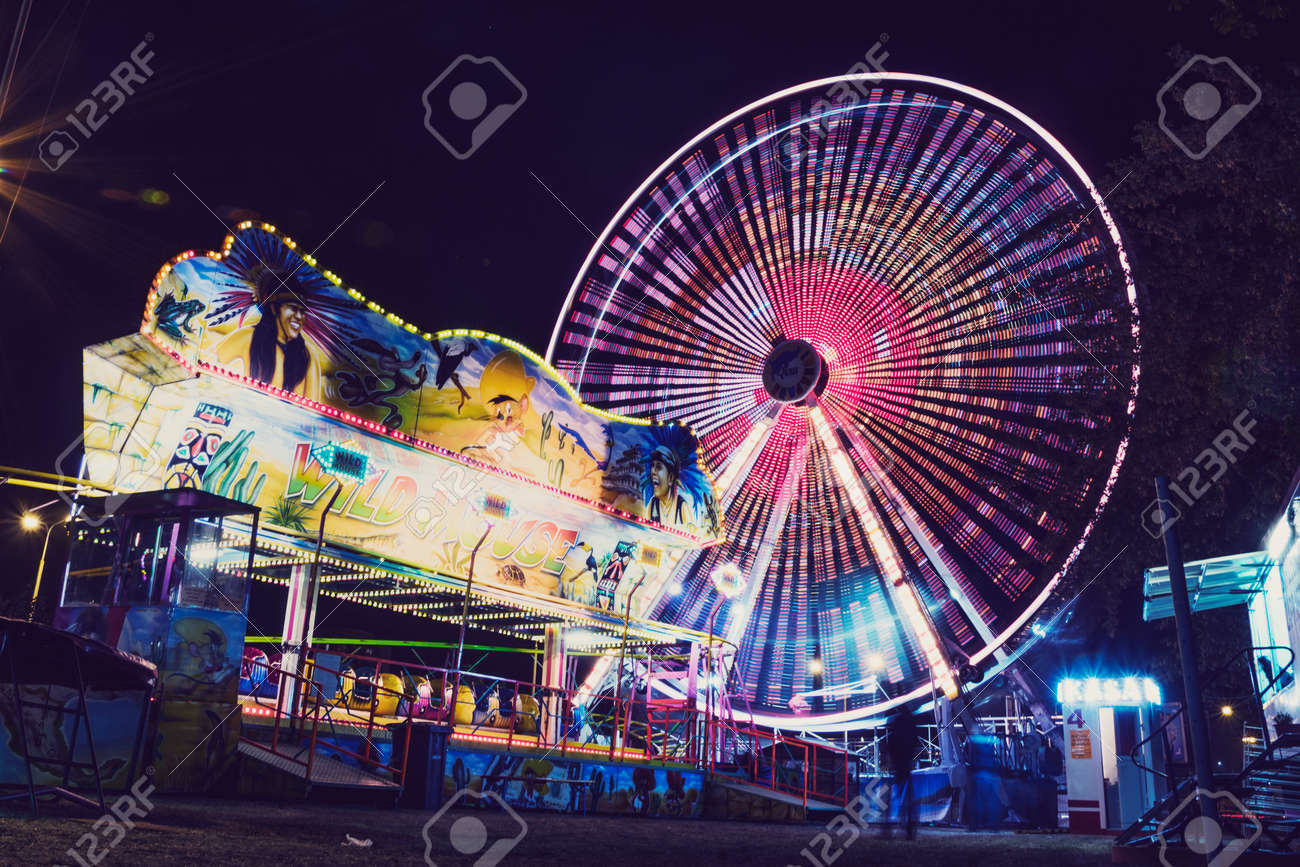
[{"x": 309, "y": 116}]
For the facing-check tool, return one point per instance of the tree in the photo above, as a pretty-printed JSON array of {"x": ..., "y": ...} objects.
[{"x": 1213, "y": 247}]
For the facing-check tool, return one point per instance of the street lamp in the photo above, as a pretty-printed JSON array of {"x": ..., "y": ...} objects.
[
  {"x": 31, "y": 522},
  {"x": 729, "y": 581}
]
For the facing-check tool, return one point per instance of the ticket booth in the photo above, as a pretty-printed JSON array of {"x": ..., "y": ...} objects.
[
  {"x": 1104, "y": 719},
  {"x": 164, "y": 575}
]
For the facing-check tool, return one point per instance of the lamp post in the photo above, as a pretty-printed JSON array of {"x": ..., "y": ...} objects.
[
  {"x": 30, "y": 523},
  {"x": 1195, "y": 713},
  {"x": 729, "y": 581}
]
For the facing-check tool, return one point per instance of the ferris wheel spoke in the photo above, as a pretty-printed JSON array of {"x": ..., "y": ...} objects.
[
  {"x": 739, "y": 461},
  {"x": 911, "y": 523},
  {"x": 760, "y": 560},
  {"x": 961, "y": 460},
  {"x": 903, "y": 594}
]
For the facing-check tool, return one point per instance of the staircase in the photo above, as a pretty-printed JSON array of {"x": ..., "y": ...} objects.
[
  {"x": 1271, "y": 785},
  {"x": 670, "y": 704},
  {"x": 1259, "y": 808},
  {"x": 287, "y": 751},
  {"x": 325, "y": 769}
]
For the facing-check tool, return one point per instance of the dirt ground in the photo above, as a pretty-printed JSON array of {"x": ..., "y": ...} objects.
[{"x": 205, "y": 831}]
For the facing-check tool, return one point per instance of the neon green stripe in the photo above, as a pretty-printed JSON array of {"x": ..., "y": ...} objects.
[{"x": 387, "y": 642}]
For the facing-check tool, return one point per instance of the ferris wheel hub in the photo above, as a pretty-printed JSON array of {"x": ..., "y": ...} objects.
[{"x": 793, "y": 370}]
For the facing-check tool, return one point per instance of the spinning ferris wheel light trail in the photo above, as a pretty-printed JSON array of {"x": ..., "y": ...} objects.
[{"x": 912, "y": 358}]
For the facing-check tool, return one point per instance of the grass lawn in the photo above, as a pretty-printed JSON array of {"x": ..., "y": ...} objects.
[{"x": 208, "y": 831}]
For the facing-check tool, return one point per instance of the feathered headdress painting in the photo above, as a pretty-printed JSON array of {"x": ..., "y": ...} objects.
[
  {"x": 676, "y": 447},
  {"x": 259, "y": 267}
]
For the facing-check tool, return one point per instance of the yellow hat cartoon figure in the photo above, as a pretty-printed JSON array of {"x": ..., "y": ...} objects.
[
  {"x": 505, "y": 385},
  {"x": 504, "y": 388},
  {"x": 197, "y": 658}
]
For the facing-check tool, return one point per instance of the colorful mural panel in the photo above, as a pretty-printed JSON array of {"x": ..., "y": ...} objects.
[
  {"x": 260, "y": 310},
  {"x": 196, "y": 744},
  {"x": 50, "y": 711},
  {"x": 427, "y": 509},
  {"x": 204, "y": 653},
  {"x": 565, "y": 785}
]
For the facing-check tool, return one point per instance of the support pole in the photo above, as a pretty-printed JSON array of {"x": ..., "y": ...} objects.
[
  {"x": 313, "y": 588},
  {"x": 464, "y": 619},
  {"x": 709, "y": 729},
  {"x": 291, "y": 645},
  {"x": 622, "y": 654},
  {"x": 300, "y": 621},
  {"x": 1200, "y": 735},
  {"x": 553, "y": 683}
]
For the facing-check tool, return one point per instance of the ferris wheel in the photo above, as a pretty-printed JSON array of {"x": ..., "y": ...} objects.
[{"x": 900, "y": 318}]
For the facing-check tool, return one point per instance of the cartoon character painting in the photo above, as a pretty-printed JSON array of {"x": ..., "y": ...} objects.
[
  {"x": 612, "y": 575},
  {"x": 505, "y": 389},
  {"x": 641, "y": 794},
  {"x": 666, "y": 505},
  {"x": 678, "y": 800},
  {"x": 387, "y": 377},
  {"x": 174, "y": 313},
  {"x": 658, "y": 478},
  {"x": 578, "y": 576},
  {"x": 199, "y": 662},
  {"x": 270, "y": 315},
  {"x": 511, "y": 574},
  {"x": 450, "y": 355},
  {"x": 534, "y": 788}
]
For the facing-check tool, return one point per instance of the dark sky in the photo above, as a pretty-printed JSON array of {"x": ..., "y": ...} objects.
[
  {"x": 298, "y": 111},
  {"x": 308, "y": 115}
]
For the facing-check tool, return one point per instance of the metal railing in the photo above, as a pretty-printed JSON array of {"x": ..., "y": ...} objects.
[
  {"x": 1262, "y": 777},
  {"x": 300, "y": 707},
  {"x": 502, "y": 711},
  {"x": 1252, "y": 653},
  {"x": 371, "y": 692},
  {"x": 782, "y": 763}
]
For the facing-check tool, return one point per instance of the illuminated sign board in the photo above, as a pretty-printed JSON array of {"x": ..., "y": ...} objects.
[
  {"x": 496, "y": 505},
  {"x": 1108, "y": 691},
  {"x": 342, "y": 461}
]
